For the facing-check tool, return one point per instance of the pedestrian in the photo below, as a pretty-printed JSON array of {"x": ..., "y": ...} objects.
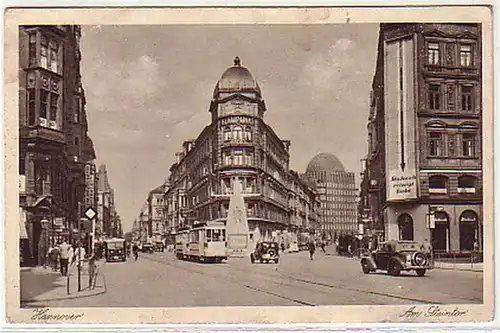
[
  {"x": 135, "y": 249},
  {"x": 476, "y": 251},
  {"x": 426, "y": 246},
  {"x": 323, "y": 246},
  {"x": 48, "y": 257},
  {"x": 312, "y": 249},
  {"x": 92, "y": 270},
  {"x": 54, "y": 257},
  {"x": 282, "y": 247},
  {"x": 79, "y": 255},
  {"x": 65, "y": 253},
  {"x": 374, "y": 243}
]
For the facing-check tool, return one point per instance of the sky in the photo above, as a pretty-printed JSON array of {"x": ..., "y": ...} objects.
[{"x": 148, "y": 89}]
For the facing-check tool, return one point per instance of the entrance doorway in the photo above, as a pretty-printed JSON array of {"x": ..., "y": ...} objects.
[
  {"x": 469, "y": 230},
  {"x": 405, "y": 224},
  {"x": 441, "y": 232}
]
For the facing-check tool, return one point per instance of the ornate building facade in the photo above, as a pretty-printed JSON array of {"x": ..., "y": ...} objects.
[
  {"x": 237, "y": 146},
  {"x": 54, "y": 145},
  {"x": 423, "y": 176},
  {"x": 337, "y": 194}
]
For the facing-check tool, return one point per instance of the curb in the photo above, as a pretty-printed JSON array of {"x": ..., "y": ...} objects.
[
  {"x": 460, "y": 269},
  {"x": 481, "y": 270}
]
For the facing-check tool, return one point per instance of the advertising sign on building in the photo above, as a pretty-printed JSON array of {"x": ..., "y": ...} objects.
[{"x": 400, "y": 146}]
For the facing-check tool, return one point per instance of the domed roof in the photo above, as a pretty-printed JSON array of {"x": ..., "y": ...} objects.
[
  {"x": 237, "y": 77},
  {"x": 324, "y": 162}
]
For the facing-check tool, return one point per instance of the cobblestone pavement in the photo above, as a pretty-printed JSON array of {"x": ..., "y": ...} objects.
[{"x": 160, "y": 280}]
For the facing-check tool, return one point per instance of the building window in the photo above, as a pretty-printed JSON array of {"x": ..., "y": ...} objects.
[
  {"x": 44, "y": 104},
  {"x": 238, "y": 133},
  {"x": 227, "y": 134},
  {"x": 32, "y": 50},
  {"x": 465, "y": 55},
  {"x": 31, "y": 106},
  {"x": 228, "y": 158},
  {"x": 466, "y": 184},
  {"x": 468, "y": 145},
  {"x": 54, "y": 99},
  {"x": 248, "y": 133},
  {"x": 435, "y": 144},
  {"x": 433, "y": 53},
  {"x": 438, "y": 185},
  {"x": 54, "y": 57},
  {"x": 44, "y": 54},
  {"x": 238, "y": 157},
  {"x": 466, "y": 96},
  {"x": 434, "y": 96},
  {"x": 248, "y": 158}
]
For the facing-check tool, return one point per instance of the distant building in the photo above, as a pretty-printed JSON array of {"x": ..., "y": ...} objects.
[
  {"x": 105, "y": 203},
  {"x": 156, "y": 211},
  {"x": 337, "y": 193},
  {"x": 423, "y": 176}
]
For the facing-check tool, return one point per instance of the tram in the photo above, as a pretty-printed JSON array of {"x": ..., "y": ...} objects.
[{"x": 204, "y": 242}]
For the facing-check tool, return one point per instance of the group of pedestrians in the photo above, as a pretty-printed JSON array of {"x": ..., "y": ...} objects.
[
  {"x": 312, "y": 247},
  {"x": 63, "y": 254}
]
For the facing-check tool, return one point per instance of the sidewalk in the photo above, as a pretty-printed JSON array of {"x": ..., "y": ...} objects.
[
  {"x": 39, "y": 285},
  {"x": 474, "y": 267}
]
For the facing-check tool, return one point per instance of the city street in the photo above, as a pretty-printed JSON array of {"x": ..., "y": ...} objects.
[{"x": 160, "y": 280}]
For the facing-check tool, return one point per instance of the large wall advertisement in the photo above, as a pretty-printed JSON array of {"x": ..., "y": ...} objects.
[{"x": 401, "y": 180}]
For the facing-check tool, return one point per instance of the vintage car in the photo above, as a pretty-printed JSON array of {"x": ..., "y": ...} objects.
[
  {"x": 395, "y": 256},
  {"x": 115, "y": 249},
  {"x": 159, "y": 246},
  {"x": 303, "y": 246},
  {"x": 147, "y": 248},
  {"x": 265, "y": 252},
  {"x": 294, "y": 247}
]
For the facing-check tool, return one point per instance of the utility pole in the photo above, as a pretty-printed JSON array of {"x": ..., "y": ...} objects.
[{"x": 78, "y": 244}]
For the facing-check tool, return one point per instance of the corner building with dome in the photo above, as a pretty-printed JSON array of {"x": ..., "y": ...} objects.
[
  {"x": 239, "y": 146},
  {"x": 337, "y": 194}
]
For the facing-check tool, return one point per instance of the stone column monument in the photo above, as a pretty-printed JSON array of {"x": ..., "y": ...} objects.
[{"x": 237, "y": 223}]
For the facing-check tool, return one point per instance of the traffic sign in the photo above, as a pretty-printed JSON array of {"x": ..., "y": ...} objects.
[{"x": 90, "y": 213}]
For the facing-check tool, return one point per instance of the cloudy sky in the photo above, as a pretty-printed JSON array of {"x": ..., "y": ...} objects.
[{"x": 148, "y": 89}]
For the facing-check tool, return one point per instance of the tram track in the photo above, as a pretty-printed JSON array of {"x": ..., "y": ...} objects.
[
  {"x": 365, "y": 291},
  {"x": 254, "y": 288},
  {"x": 302, "y": 283}
]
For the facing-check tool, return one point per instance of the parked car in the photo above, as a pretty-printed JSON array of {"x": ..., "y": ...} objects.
[
  {"x": 303, "y": 246},
  {"x": 159, "y": 247},
  {"x": 395, "y": 256},
  {"x": 265, "y": 252},
  {"x": 147, "y": 248},
  {"x": 294, "y": 247}
]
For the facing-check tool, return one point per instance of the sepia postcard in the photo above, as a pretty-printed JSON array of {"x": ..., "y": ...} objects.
[{"x": 249, "y": 165}]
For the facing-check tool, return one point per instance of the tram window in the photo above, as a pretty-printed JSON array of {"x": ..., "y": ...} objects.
[
  {"x": 209, "y": 236},
  {"x": 218, "y": 235}
]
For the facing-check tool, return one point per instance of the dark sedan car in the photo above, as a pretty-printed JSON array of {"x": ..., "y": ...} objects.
[
  {"x": 396, "y": 256},
  {"x": 265, "y": 252}
]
